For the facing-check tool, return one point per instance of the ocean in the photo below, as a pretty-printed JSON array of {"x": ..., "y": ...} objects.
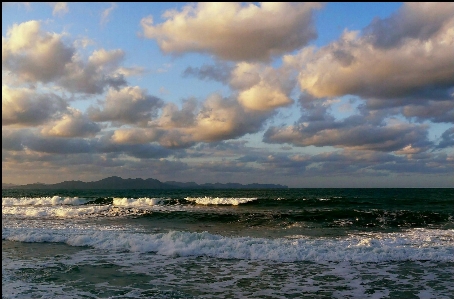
[{"x": 269, "y": 243}]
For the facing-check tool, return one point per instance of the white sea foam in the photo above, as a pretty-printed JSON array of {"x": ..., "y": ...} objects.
[
  {"x": 54, "y": 211},
  {"x": 219, "y": 200},
  {"x": 43, "y": 201},
  {"x": 414, "y": 244},
  {"x": 136, "y": 202}
]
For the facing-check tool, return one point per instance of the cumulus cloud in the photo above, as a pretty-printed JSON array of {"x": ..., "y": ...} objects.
[
  {"x": 129, "y": 105},
  {"x": 262, "y": 88},
  {"x": 33, "y": 55},
  {"x": 72, "y": 124},
  {"x": 259, "y": 87},
  {"x": 234, "y": 31},
  {"x": 358, "y": 132},
  {"x": 413, "y": 21},
  {"x": 25, "y": 107},
  {"x": 215, "y": 120},
  {"x": 92, "y": 77},
  {"x": 407, "y": 55}
]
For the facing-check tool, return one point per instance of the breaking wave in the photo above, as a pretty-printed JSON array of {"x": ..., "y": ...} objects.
[
  {"x": 219, "y": 200},
  {"x": 414, "y": 244}
]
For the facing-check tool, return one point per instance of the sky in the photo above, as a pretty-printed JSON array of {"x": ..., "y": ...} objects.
[{"x": 300, "y": 94}]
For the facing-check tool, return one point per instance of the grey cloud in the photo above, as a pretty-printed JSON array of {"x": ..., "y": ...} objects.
[
  {"x": 219, "y": 72},
  {"x": 59, "y": 145},
  {"x": 129, "y": 105},
  {"x": 435, "y": 111},
  {"x": 437, "y": 164},
  {"x": 366, "y": 137},
  {"x": 72, "y": 124},
  {"x": 414, "y": 20},
  {"x": 24, "y": 107},
  {"x": 92, "y": 77},
  {"x": 344, "y": 58},
  {"x": 318, "y": 128},
  {"x": 20, "y": 140},
  {"x": 12, "y": 140},
  {"x": 31, "y": 55},
  {"x": 414, "y": 66},
  {"x": 354, "y": 163},
  {"x": 91, "y": 82},
  {"x": 447, "y": 138},
  {"x": 214, "y": 120}
]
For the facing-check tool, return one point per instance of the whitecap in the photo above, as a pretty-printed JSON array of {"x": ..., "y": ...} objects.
[{"x": 220, "y": 200}]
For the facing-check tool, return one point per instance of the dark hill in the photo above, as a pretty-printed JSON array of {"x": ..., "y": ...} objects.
[{"x": 118, "y": 183}]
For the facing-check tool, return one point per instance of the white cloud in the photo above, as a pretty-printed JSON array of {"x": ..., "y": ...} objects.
[
  {"x": 33, "y": 55},
  {"x": 234, "y": 31},
  {"x": 60, "y": 8},
  {"x": 106, "y": 13},
  {"x": 262, "y": 88},
  {"x": 380, "y": 64}
]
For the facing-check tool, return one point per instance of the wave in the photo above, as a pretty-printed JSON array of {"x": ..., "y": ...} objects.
[
  {"x": 414, "y": 244},
  {"x": 43, "y": 201},
  {"x": 136, "y": 202},
  {"x": 220, "y": 200},
  {"x": 56, "y": 211}
]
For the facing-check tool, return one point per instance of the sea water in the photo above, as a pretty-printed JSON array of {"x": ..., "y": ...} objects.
[{"x": 280, "y": 243}]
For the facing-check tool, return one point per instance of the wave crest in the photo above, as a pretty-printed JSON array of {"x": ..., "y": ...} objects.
[
  {"x": 136, "y": 202},
  {"x": 220, "y": 200},
  {"x": 43, "y": 201}
]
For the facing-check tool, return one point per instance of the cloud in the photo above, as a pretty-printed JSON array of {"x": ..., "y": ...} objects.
[
  {"x": 24, "y": 107},
  {"x": 318, "y": 127},
  {"x": 129, "y": 105},
  {"x": 92, "y": 77},
  {"x": 72, "y": 124},
  {"x": 105, "y": 15},
  {"x": 366, "y": 137},
  {"x": 407, "y": 55},
  {"x": 262, "y": 88},
  {"x": 263, "y": 97},
  {"x": 413, "y": 21},
  {"x": 220, "y": 119},
  {"x": 33, "y": 55},
  {"x": 234, "y": 31},
  {"x": 131, "y": 71},
  {"x": 447, "y": 138},
  {"x": 219, "y": 72},
  {"x": 35, "y": 145},
  {"x": 215, "y": 120},
  {"x": 435, "y": 111},
  {"x": 60, "y": 8},
  {"x": 259, "y": 87}
]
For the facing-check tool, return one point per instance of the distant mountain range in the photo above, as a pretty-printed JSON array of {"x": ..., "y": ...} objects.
[{"x": 115, "y": 182}]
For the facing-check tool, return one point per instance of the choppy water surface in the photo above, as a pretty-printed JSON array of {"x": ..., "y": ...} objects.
[{"x": 286, "y": 243}]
